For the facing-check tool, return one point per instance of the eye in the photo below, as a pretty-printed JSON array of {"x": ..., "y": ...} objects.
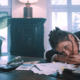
[{"x": 65, "y": 47}]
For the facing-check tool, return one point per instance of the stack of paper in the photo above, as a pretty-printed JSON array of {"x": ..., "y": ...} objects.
[{"x": 46, "y": 68}]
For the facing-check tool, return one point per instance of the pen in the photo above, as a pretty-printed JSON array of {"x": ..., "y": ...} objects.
[{"x": 35, "y": 67}]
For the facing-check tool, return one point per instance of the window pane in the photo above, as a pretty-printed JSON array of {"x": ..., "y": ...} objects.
[
  {"x": 3, "y": 30},
  {"x": 75, "y": 2},
  {"x": 59, "y": 19},
  {"x": 3, "y": 2},
  {"x": 3, "y": 34},
  {"x": 75, "y": 21},
  {"x": 58, "y": 2}
]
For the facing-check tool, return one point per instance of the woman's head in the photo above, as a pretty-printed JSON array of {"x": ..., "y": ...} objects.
[
  {"x": 57, "y": 36},
  {"x": 62, "y": 41}
]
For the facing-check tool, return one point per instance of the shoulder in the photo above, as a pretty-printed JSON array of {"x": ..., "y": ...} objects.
[{"x": 77, "y": 34}]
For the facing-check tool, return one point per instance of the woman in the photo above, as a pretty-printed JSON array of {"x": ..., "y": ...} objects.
[{"x": 67, "y": 46}]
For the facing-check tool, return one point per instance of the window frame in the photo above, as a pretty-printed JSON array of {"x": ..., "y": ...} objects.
[
  {"x": 7, "y": 9},
  {"x": 69, "y": 8}
]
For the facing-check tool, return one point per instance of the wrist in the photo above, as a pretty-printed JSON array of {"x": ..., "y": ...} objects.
[{"x": 53, "y": 57}]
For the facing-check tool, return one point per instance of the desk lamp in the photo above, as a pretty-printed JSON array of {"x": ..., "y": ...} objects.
[{"x": 28, "y": 8}]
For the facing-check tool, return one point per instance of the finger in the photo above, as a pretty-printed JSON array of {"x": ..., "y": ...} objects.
[
  {"x": 73, "y": 56},
  {"x": 71, "y": 62}
]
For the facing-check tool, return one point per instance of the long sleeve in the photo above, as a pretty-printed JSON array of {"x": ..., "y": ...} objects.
[{"x": 50, "y": 55}]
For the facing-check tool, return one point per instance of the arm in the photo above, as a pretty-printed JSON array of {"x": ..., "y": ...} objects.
[
  {"x": 72, "y": 59},
  {"x": 52, "y": 55},
  {"x": 49, "y": 55}
]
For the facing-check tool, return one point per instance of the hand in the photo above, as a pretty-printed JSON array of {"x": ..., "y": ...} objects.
[
  {"x": 61, "y": 58},
  {"x": 74, "y": 59}
]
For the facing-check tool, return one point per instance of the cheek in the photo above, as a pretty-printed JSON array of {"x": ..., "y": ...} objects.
[{"x": 68, "y": 51}]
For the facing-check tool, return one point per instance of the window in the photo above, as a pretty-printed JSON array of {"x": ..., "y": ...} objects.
[
  {"x": 57, "y": 19},
  {"x": 58, "y": 2},
  {"x": 65, "y": 14},
  {"x": 3, "y": 2},
  {"x": 5, "y": 12}
]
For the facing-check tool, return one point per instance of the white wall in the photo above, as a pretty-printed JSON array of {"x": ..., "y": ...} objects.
[{"x": 39, "y": 11}]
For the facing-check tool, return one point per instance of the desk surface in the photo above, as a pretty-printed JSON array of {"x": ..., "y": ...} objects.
[
  {"x": 24, "y": 75},
  {"x": 28, "y": 75}
]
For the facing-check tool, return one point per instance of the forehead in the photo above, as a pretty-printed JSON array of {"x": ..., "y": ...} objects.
[{"x": 62, "y": 44}]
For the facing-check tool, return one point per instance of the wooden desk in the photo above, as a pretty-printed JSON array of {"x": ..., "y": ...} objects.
[
  {"x": 29, "y": 75},
  {"x": 24, "y": 75}
]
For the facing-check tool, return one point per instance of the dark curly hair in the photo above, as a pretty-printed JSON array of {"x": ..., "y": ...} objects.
[{"x": 57, "y": 36}]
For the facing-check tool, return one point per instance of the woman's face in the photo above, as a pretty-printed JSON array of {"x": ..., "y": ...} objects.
[{"x": 65, "y": 47}]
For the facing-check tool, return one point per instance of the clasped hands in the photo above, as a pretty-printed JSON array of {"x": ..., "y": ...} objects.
[{"x": 71, "y": 59}]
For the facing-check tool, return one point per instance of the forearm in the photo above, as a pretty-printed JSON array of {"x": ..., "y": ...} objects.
[
  {"x": 73, "y": 59},
  {"x": 50, "y": 55},
  {"x": 61, "y": 58}
]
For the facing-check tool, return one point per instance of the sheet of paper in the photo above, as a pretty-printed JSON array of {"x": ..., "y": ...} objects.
[
  {"x": 25, "y": 67},
  {"x": 51, "y": 68},
  {"x": 46, "y": 68}
]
